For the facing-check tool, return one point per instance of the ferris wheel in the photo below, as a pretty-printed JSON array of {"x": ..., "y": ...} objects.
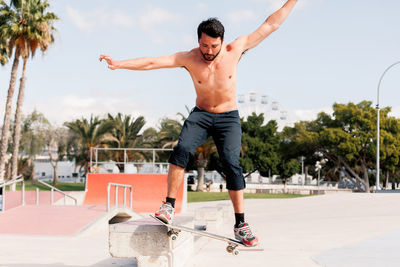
[{"x": 254, "y": 102}]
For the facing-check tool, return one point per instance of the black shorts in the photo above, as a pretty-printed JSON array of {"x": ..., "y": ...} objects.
[{"x": 226, "y": 131}]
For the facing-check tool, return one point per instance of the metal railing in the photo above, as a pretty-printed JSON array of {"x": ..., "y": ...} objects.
[
  {"x": 116, "y": 194},
  {"x": 9, "y": 183},
  {"x": 52, "y": 194},
  {"x": 94, "y": 157}
]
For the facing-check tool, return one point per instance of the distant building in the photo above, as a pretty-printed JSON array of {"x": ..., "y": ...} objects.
[{"x": 66, "y": 172}]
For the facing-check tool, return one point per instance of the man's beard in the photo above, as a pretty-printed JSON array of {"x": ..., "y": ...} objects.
[{"x": 209, "y": 59}]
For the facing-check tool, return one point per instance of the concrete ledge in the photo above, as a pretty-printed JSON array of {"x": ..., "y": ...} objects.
[
  {"x": 148, "y": 242},
  {"x": 101, "y": 224},
  {"x": 212, "y": 217},
  {"x": 226, "y": 209},
  {"x": 305, "y": 191}
]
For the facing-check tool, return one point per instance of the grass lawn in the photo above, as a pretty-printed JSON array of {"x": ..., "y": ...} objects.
[
  {"x": 31, "y": 186},
  {"x": 213, "y": 196}
]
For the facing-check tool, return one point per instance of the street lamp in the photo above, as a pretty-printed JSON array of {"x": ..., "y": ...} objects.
[
  {"x": 318, "y": 167},
  {"x": 377, "y": 125},
  {"x": 302, "y": 158}
]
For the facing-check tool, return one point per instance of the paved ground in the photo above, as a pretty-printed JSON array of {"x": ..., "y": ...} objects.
[
  {"x": 48, "y": 220},
  {"x": 330, "y": 230},
  {"x": 304, "y": 231},
  {"x": 380, "y": 251}
]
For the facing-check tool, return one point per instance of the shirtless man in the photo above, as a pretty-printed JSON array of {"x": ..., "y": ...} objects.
[{"x": 212, "y": 67}]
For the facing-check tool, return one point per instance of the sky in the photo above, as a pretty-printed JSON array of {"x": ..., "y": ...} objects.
[{"x": 325, "y": 52}]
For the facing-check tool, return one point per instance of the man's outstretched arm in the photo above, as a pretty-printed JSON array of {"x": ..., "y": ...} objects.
[
  {"x": 270, "y": 25},
  {"x": 147, "y": 63}
]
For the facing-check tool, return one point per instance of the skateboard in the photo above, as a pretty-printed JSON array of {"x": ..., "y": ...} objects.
[{"x": 234, "y": 246}]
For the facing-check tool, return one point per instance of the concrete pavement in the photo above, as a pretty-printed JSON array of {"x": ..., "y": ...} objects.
[
  {"x": 294, "y": 231},
  {"x": 310, "y": 231}
]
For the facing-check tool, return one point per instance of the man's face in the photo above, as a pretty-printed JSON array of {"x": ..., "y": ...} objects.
[{"x": 209, "y": 46}]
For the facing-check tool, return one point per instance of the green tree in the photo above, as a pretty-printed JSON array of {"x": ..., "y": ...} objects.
[
  {"x": 390, "y": 152},
  {"x": 58, "y": 143},
  {"x": 260, "y": 145},
  {"x": 301, "y": 140},
  {"x": 33, "y": 134},
  {"x": 25, "y": 26},
  {"x": 287, "y": 168},
  {"x": 348, "y": 140},
  {"x": 124, "y": 134},
  {"x": 168, "y": 133},
  {"x": 90, "y": 133},
  {"x": 4, "y": 55}
]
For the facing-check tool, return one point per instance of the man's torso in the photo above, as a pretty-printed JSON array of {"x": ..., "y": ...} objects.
[{"x": 215, "y": 82}]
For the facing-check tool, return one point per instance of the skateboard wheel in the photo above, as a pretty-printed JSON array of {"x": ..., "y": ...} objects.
[
  {"x": 235, "y": 252},
  {"x": 174, "y": 237},
  {"x": 229, "y": 249}
]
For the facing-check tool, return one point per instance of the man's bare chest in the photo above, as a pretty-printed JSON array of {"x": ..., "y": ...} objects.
[{"x": 213, "y": 74}]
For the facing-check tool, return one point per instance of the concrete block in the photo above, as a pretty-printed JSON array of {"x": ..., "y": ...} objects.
[
  {"x": 148, "y": 242},
  {"x": 226, "y": 209},
  {"x": 212, "y": 217}
]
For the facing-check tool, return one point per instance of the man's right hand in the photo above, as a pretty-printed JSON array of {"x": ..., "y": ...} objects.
[{"x": 110, "y": 61}]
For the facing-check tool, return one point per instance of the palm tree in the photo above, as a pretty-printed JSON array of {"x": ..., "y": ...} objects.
[
  {"x": 125, "y": 134},
  {"x": 6, "y": 14},
  {"x": 3, "y": 50},
  {"x": 26, "y": 26},
  {"x": 91, "y": 133},
  {"x": 169, "y": 133}
]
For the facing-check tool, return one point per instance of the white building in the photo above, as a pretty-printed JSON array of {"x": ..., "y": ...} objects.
[{"x": 66, "y": 172}]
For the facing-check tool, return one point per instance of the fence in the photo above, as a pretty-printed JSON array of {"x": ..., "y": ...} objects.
[
  {"x": 52, "y": 194},
  {"x": 128, "y": 160},
  {"x": 124, "y": 186},
  {"x": 10, "y": 183}
]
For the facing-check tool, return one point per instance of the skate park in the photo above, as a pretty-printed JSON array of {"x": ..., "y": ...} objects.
[
  {"x": 329, "y": 229},
  {"x": 85, "y": 157}
]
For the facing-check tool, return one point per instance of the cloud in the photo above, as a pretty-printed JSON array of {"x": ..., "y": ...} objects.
[
  {"x": 153, "y": 17},
  {"x": 309, "y": 114},
  {"x": 70, "y": 107},
  {"x": 118, "y": 18},
  {"x": 98, "y": 19},
  {"x": 239, "y": 16},
  {"x": 395, "y": 112},
  {"x": 80, "y": 20}
]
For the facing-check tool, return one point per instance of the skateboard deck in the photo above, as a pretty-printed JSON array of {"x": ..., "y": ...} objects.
[{"x": 234, "y": 246}]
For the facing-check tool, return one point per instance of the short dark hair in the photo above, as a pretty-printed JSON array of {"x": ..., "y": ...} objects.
[{"x": 212, "y": 27}]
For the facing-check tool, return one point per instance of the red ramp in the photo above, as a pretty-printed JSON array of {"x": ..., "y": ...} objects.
[{"x": 148, "y": 190}]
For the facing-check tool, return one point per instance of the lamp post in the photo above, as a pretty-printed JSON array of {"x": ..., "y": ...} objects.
[
  {"x": 302, "y": 158},
  {"x": 318, "y": 168},
  {"x": 377, "y": 126}
]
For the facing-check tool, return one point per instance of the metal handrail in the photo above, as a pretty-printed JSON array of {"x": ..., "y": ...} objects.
[
  {"x": 116, "y": 194},
  {"x": 132, "y": 149},
  {"x": 52, "y": 193},
  {"x": 132, "y": 162},
  {"x": 11, "y": 182}
]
